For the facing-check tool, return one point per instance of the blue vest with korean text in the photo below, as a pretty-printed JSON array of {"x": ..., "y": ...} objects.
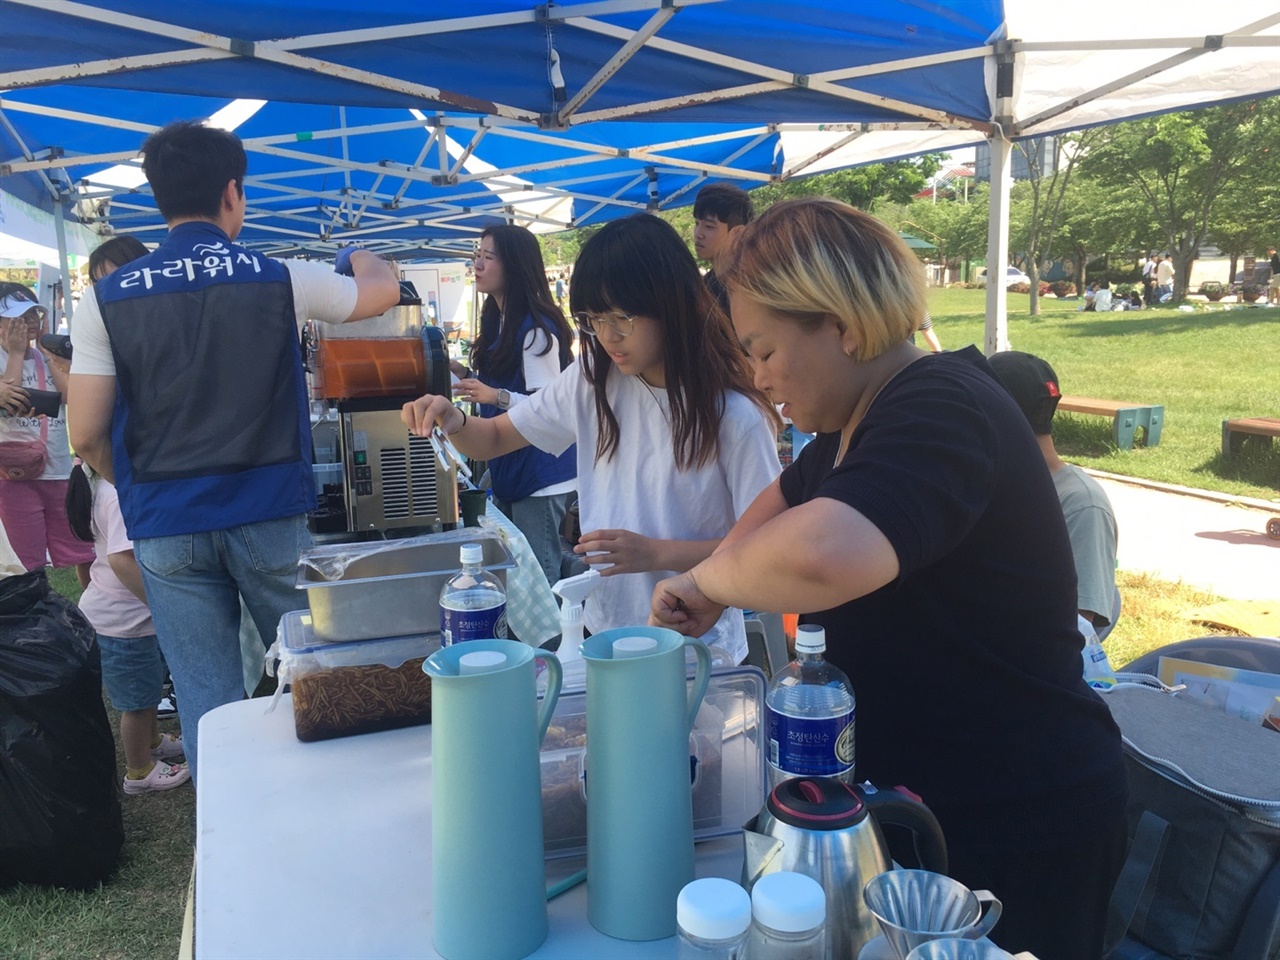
[
  {"x": 211, "y": 428},
  {"x": 516, "y": 475}
]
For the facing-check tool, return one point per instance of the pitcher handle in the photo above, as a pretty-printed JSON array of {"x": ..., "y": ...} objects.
[
  {"x": 994, "y": 908},
  {"x": 555, "y": 677},
  {"x": 700, "y": 679}
]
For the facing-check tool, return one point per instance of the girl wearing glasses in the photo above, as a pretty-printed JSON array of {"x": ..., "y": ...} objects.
[
  {"x": 673, "y": 440},
  {"x": 523, "y": 345},
  {"x": 33, "y": 487}
]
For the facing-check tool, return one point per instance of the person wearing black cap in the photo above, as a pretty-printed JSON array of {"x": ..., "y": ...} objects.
[{"x": 1091, "y": 523}]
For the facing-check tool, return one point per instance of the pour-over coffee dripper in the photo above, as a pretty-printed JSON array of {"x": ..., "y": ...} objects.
[{"x": 917, "y": 906}]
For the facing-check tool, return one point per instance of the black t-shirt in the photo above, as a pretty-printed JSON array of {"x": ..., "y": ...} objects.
[
  {"x": 718, "y": 290},
  {"x": 967, "y": 668}
]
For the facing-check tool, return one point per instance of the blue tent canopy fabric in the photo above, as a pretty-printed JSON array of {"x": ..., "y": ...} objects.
[
  {"x": 497, "y": 55},
  {"x": 410, "y": 126}
]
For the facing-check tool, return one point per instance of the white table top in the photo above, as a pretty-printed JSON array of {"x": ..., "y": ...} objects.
[{"x": 322, "y": 850}]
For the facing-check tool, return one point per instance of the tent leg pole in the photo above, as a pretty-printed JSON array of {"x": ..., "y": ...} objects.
[
  {"x": 997, "y": 327},
  {"x": 64, "y": 272}
]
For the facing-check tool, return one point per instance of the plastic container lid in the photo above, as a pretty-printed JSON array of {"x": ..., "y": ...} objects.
[
  {"x": 713, "y": 909},
  {"x": 626, "y": 647},
  {"x": 788, "y": 902},
  {"x": 482, "y": 661},
  {"x": 810, "y": 638},
  {"x": 471, "y": 553}
]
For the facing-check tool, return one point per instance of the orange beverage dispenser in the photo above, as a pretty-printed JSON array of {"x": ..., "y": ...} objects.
[{"x": 371, "y": 473}]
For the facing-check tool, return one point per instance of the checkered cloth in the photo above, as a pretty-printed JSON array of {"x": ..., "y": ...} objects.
[{"x": 531, "y": 606}]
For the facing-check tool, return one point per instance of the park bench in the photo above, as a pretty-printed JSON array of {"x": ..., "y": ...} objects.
[
  {"x": 1126, "y": 418},
  {"x": 1235, "y": 432}
]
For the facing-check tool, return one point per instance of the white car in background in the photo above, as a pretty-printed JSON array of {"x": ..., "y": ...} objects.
[{"x": 1012, "y": 275}]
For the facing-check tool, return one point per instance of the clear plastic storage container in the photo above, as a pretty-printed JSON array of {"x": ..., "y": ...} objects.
[
  {"x": 341, "y": 689},
  {"x": 726, "y": 759}
]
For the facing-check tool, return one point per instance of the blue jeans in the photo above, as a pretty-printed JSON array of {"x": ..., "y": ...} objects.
[
  {"x": 132, "y": 671},
  {"x": 194, "y": 584},
  {"x": 540, "y": 519}
]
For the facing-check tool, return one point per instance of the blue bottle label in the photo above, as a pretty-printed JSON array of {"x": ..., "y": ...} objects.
[
  {"x": 811, "y": 747},
  {"x": 458, "y": 626}
]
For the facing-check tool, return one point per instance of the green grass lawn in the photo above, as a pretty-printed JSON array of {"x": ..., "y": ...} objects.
[{"x": 1203, "y": 367}]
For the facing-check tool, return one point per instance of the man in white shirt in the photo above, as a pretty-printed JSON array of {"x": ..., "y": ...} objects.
[
  {"x": 1164, "y": 278},
  {"x": 187, "y": 391}
]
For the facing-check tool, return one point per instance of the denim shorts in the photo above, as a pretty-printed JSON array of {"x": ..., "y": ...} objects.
[{"x": 132, "y": 671}]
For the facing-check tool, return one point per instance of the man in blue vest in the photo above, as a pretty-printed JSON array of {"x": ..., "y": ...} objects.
[{"x": 187, "y": 391}]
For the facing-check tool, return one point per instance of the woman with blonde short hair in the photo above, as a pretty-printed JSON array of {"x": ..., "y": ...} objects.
[{"x": 922, "y": 531}]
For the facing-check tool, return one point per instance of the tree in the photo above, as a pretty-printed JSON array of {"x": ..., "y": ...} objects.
[
  {"x": 863, "y": 187},
  {"x": 1042, "y": 198},
  {"x": 1100, "y": 220},
  {"x": 1181, "y": 164},
  {"x": 958, "y": 229},
  {"x": 1246, "y": 217}
]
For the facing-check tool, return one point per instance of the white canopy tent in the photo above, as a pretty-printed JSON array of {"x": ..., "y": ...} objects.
[{"x": 590, "y": 109}]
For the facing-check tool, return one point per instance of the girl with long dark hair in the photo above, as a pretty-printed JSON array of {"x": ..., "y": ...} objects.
[
  {"x": 674, "y": 441},
  {"x": 523, "y": 345}
]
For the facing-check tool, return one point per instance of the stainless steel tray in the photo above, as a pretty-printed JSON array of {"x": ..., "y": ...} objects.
[{"x": 367, "y": 591}]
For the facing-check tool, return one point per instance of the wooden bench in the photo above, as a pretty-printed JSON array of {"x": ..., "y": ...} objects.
[
  {"x": 1126, "y": 418},
  {"x": 1256, "y": 429}
]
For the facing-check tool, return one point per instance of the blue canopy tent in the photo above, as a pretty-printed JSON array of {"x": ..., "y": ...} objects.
[{"x": 565, "y": 114}]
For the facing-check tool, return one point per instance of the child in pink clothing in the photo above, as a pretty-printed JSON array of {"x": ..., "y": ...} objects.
[{"x": 132, "y": 670}]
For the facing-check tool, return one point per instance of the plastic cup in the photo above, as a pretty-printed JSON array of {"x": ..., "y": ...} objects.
[{"x": 472, "y": 505}]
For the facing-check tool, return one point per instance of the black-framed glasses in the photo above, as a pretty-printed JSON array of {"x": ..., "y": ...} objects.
[{"x": 591, "y": 325}]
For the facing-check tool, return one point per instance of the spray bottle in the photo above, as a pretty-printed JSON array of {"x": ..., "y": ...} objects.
[{"x": 572, "y": 592}]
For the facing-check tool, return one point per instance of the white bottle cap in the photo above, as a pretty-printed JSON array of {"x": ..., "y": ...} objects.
[
  {"x": 811, "y": 638},
  {"x": 788, "y": 902},
  {"x": 713, "y": 909},
  {"x": 471, "y": 553},
  {"x": 482, "y": 661},
  {"x": 633, "y": 647}
]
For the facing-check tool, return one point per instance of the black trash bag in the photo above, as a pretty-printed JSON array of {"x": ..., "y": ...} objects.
[{"x": 60, "y": 821}]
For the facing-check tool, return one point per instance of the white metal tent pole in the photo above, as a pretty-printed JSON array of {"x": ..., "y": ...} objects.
[
  {"x": 997, "y": 331},
  {"x": 60, "y": 229},
  {"x": 1003, "y": 87}
]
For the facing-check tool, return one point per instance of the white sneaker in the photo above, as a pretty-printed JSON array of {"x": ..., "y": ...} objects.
[
  {"x": 163, "y": 776},
  {"x": 169, "y": 748}
]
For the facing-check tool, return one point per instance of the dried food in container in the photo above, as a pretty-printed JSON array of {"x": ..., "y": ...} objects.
[{"x": 343, "y": 689}]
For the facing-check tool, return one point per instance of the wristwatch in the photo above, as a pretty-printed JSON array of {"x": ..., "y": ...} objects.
[{"x": 504, "y": 399}]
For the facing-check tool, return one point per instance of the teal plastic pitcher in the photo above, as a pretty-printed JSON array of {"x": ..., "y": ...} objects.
[
  {"x": 639, "y": 800},
  {"x": 488, "y": 878}
]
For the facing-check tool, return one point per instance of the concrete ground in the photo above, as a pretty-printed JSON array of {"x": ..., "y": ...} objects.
[{"x": 1207, "y": 540}]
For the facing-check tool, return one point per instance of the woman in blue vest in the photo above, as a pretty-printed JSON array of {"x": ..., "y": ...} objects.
[{"x": 523, "y": 345}]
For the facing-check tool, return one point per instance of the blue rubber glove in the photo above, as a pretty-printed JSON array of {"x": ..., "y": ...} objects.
[{"x": 342, "y": 262}]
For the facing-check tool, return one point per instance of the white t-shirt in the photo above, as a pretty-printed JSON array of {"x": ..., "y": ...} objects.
[
  {"x": 107, "y": 603},
  {"x": 318, "y": 294},
  {"x": 538, "y": 372},
  {"x": 58, "y": 462},
  {"x": 1164, "y": 273},
  {"x": 640, "y": 489}
]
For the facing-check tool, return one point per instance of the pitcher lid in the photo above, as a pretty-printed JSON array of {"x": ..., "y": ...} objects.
[{"x": 816, "y": 803}]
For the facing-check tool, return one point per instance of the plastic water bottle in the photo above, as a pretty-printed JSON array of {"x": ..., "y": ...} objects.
[
  {"x": 1097, "y": 668},
  {"x": 809, "y": 707},
  {"x": 473, "y": 605}
]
